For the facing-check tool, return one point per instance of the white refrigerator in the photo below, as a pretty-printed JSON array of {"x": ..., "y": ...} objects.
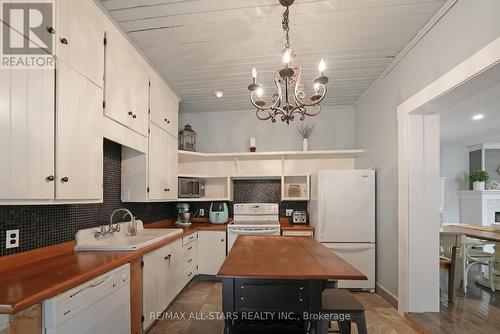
[{"x": 342, "y": 211}]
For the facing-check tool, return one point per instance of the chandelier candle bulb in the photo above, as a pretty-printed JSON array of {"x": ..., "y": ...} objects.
[
  {"x": 254, "y": 75},
  {"x": 322, "y": 67}
]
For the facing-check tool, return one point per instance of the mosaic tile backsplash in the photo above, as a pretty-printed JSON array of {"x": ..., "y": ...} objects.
[{"x": 45, "y": 225}]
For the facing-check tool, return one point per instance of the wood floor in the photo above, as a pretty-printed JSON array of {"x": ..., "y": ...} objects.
[
  {"x": 201, "y": 298},
  {"x": 476, "y": 312}
]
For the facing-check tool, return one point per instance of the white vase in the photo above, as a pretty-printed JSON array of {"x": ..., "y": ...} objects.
[
  {"x": 478, "y": 185},
  {"x": 305, "y": 145}
]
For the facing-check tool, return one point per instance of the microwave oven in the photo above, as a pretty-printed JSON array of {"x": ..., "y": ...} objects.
[{"x": 191, "y": 188}]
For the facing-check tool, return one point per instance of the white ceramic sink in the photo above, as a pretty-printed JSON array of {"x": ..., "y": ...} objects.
[{"x": 121, "y": 241}]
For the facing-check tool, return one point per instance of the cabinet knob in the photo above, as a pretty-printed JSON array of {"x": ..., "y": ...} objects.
[
  {"x": 166, "y": 189},
  {"x": 130, "y": 113},
  {"x": 134, "y": 116},
  {"x": 64, "y": 41},
  {"x": 221, "y": 240},
  {"x": 50, "y": 178},
  {"x": 51, "y": 30},
  {"x": 64, "y": 179},
  {"x": 168, "y": 257},
  {"x": 166, "y": 120}
]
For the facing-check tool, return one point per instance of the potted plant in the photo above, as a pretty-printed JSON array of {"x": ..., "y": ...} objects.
[
  {"x": 305, "y": 131},
  {"x": 478, "y": 179}
]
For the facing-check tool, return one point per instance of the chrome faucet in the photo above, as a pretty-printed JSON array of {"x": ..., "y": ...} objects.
[
  {"x": 116, "y": 228},
  {"x": 132, "y": 227}
]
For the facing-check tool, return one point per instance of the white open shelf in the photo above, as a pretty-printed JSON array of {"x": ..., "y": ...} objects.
[
  {"x": 217, "y": 188},
  {"x": 302, "y": 181},
  {"x": 326, "y": 154}
]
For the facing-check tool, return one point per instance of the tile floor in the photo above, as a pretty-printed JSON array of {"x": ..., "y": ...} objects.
[{"x": 203, "y": 297}]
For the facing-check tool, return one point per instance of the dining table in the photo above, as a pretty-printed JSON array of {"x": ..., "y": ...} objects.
[
  {"x": 273, "y": 279},
  {"x": 486, "y": 233}
]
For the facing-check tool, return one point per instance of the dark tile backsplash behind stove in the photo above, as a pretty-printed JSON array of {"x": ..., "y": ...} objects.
[{"x": 45, "y": 225}]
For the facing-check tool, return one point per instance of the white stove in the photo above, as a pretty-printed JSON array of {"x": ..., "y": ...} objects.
[{"x": 254, "y": 219}]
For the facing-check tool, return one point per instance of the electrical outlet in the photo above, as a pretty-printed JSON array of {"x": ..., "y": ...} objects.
[
  {"x": 202, "y": 212},
  {"x": 289, "y": 212},
  {"x": 12, "y": 240}
]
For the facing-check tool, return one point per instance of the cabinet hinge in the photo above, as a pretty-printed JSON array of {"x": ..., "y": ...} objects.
[
  {"x": 142, "y": 318},
  {"x": 142, "y": 264},
  {"x": 105, "y": 41},
  {"x": 104, "y": 104},
  {"x": 149, "y": 111},
  {"x": 149, "y": 130},
  {"x": 148, "y": 189},
  {"x": 150, "y": 83}
]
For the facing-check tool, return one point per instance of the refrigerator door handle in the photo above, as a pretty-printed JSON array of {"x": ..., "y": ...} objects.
[{"x": 322, "y": 208}]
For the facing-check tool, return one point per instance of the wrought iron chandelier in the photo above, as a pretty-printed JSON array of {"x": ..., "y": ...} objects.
[{"x": 290, "y": 99}]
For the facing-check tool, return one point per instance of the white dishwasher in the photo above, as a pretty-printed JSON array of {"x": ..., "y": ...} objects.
[{"x": 102, "y": 305}]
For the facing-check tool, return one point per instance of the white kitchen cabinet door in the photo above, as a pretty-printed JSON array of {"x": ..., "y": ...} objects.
[
  {"x": 164, "y": 106},
  {"x": 211, "y": 251},
  {"x": 171, "y": 168},
  {"x": 162, "y": 164},
  {"x": 127, "y": 83},
  {"x": 156, "y": 162},
  {"x": 27, "y": 134},
  {"x": 80, "y": 38},
  {"x": 79, "y": 143},
  {"x": 172, "y": 105}
]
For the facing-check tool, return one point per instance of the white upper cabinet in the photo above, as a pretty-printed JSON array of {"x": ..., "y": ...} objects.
[
  {"x": 27, "y": 134},
  {"x": 127, "y": 83},
  {"x": 80, "y": 37},
  {"x": 164, "y": 106},
  {"x": 79, "y": 160},
  {"x": 162, "y": 164}
]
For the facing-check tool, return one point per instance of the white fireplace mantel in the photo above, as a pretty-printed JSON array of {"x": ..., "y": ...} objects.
[{"x": 479, "y": 207}]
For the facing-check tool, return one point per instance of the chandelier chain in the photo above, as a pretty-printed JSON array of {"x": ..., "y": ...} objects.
[{"x": 286, "y": 27}]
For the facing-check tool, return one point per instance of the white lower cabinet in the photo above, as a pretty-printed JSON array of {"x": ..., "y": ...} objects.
[
  {"x": 161, "y": 274},
  {"x": 212, "y": 247}
]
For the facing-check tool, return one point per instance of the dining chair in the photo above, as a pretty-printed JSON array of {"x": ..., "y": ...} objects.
[{"x": 473, "y": 253}]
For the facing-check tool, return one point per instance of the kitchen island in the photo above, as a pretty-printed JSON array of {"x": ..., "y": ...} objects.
[{"x": 279, "y": 278}]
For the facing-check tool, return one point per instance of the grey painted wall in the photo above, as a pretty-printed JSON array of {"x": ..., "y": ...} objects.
[
  {"x": 231, "y": 131},
  {"x": 454, "y": 167},
  {"x": 466, "y": 28}
]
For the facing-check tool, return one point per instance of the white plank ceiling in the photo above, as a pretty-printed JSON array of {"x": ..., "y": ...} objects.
[{"x": 201, "y": 46}]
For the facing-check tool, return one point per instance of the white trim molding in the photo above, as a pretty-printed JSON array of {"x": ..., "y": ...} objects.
[{"x": 417, "y": 133}]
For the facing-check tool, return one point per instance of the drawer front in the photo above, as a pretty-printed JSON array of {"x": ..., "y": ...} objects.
[
  {"x": 190, "y": 260},
  {"x": 189, "y": 272},
  {"x": 298, "y": 233},
  {"x": 271, "y": 295},
  {"x": 190, "y": 249},
  {"x": 189, "y": 238}
]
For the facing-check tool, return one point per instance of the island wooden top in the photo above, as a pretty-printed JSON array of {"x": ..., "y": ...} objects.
[
  {"x": 274, "y": 257},
  {"x": 29, "y": 278},
  {"x": 472, "y": 232}
]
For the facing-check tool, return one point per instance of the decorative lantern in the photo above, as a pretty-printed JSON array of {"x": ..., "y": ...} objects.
[{"x": 187, "y": 139}]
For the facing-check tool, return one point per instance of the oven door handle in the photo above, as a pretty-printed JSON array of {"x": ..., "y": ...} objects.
[{"x": 254, "y": 232}]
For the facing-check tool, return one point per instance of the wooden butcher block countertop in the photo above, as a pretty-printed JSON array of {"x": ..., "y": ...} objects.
[
  {"x": 274, "y": 257},
  {"x": 29, "y": 278}
]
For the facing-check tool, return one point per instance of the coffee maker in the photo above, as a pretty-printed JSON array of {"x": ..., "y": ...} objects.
[{"x": 183, "y": 215}]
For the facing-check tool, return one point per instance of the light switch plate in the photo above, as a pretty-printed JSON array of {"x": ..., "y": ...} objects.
[
  {"x": 12, "y": 239},
  {"x": 289, "y": 212},
  {"x": 202, "y": 212}
]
